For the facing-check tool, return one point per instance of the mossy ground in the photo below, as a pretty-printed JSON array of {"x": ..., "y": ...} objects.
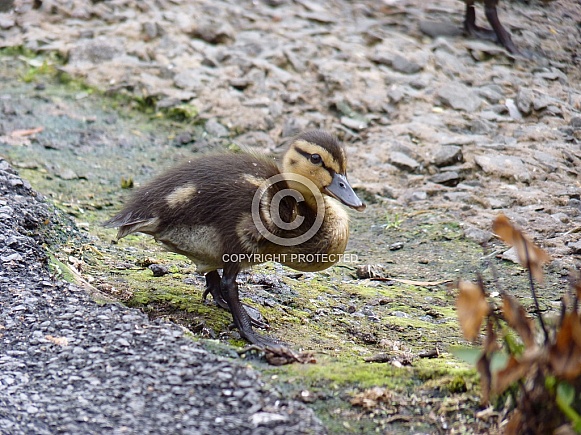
[{"x": 340, "y": 319}]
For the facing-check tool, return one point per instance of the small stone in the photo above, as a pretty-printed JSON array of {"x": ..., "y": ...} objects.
[
  {"x": 524, "y": 100},
  {"x": 575, "y": 122},
  {"x": 214, "y": 33},
  {"x": 512, "y": 109},
  {"x": 404, "y": 65},
  {"x": 419, "y": 195},
  {"x": 214, "y": 128},
  {"x": 183, "y": 138},
  {"x": 353, "y": 124},
  {"x": 561, "y": 217},
  {"x": 266, "y": 419},
  {"x": 395, "y": 94},
  {"x": 504, "y": 166},
  {"x": 542, "y": 102},
  {"x": 95, "y": 51},
  {"x": 401, "y": 161},
  {"x": 6, "y": 22},
  {"x": 459, "y": 97},
  {"x": 510, "y": 255},
  {"x": 67, "y": 174},
  {"x": 189, "y": 80},
  {"x": 12, "y": 257},
  {"x": 492, "y": 93},
  {"x": 448, "y": 155},
  {"x": 481, "y": 126},
  {"x": 158, "y": 270},
  {"x": 439, "y": 28},
  {"x": 398, "y": 62},
  {"x": 477, "y": 235},
  {"x": 449, "y": 62},
  {"x": 293, "y": 126},
  {"x": 123, "y": 342},
  {"x": 575, "y": 247},
  {"x": 482, "y": 51},
  {"x": 446, "y": 178},
  {"x": 554, "y": 74},
  {"x": 395, "y": 246}
]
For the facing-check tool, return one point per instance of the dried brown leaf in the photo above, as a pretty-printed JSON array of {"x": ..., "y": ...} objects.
[
  {"x": 483, "y": 367},
  {"x": 490, "y": 343},
  {"x": 514, "y": 425},
  {"x": 529, "y": 254},
  {"x": 513, "y": 371},
  {"x": 472, "y": 307},
  {"x": 517, "y": 319},
  {"x": 565, "y": 353},
  {"x": 371, "y": 398}
]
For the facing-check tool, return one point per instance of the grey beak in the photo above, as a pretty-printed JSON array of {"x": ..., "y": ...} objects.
[{"x": 341, "y": 189}]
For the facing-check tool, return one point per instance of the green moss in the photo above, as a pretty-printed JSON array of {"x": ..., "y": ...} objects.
[
  {"x": 17, "y": 51},
  {"x": 183, "y": 112},
  {"x": 338, "y": 373},
  {"x": 33, "y": 72},
  {"x": 59, "y": 269}
]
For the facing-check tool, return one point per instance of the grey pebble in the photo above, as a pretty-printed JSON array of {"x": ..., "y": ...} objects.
[
  {"x": 448, "y": 155},
  {"x": 459, "y": 97},
  {"x": 403, "y": 161}
]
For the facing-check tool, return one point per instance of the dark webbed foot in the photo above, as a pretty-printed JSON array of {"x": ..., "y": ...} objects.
[
  {"x": 242, "y": 319},
  {"x": 503, "y": 36},
  {"x": 498, "y": 32},
  {"x": 472, "y": 29},
  {"x": 213, "y": 287}
]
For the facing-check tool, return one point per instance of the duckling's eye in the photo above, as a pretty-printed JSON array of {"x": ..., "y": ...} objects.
[{"x": 316, "y": 159}]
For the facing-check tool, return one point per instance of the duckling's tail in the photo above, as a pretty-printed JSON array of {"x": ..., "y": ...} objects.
[{"x": 129, "y": 223}]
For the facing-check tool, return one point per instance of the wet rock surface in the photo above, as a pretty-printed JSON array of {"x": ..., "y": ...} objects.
[{"x": 70, "y": 365}]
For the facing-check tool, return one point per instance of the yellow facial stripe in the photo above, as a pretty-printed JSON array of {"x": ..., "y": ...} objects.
[
  {"x": 181, "y": 195},
  {"x": 328, "y": 159}
]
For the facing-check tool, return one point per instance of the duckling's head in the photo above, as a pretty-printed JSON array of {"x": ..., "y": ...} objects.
[{"x": 319, "y": 157}]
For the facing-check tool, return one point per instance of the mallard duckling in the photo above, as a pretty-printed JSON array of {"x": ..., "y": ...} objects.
[
  {"x": 231, "y": 211},
  {"x": 498, "y": 32}
]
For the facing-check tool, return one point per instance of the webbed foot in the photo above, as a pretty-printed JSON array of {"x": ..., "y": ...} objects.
[
  {"x": 213, "y": 287},
  {"x": 497, "y": 34}
]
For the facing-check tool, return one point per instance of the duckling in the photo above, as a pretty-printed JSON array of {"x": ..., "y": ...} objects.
[
  {"x": 232, "y": 211},
  {"x": 498, "y": 32}
]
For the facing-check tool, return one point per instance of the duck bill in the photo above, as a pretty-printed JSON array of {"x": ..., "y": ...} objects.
[{"x": 341, "y": 190}]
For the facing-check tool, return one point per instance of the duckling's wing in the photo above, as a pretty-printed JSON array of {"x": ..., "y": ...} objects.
[{"x": 129, "y": 223}]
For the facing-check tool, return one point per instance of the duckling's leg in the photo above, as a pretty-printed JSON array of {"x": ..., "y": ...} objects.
[
  {"x": 213, "y": 287},
  {"x": 242, "y": 320},
  {"x": 470, "y": 26},
  {"x": 501, "y": 33},
  {"x": 498, "y": 34}
]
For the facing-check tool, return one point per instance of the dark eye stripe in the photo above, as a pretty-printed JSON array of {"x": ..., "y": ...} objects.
[{"x": 308, "y": 156}]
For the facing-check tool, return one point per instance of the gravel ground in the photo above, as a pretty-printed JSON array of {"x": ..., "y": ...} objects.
[{"x": 70, "y": 365}]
